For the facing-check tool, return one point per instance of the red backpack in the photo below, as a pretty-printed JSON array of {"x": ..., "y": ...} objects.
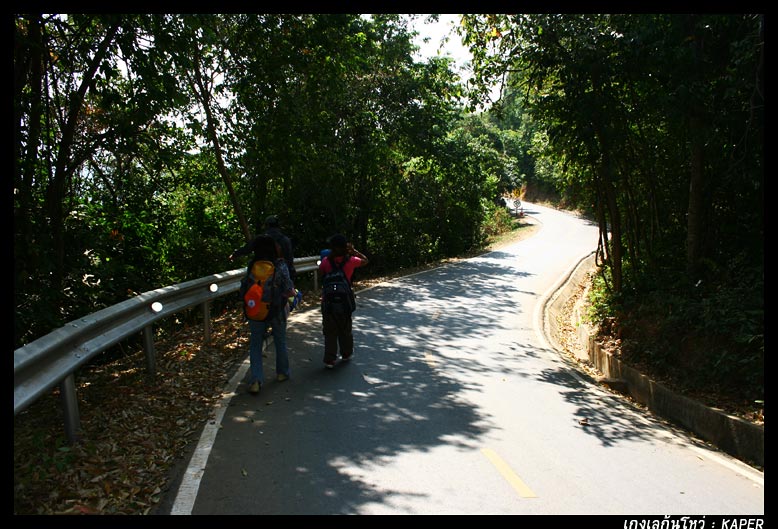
[{"x": 256, "y": 288}]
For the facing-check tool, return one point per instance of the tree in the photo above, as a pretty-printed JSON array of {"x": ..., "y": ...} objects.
[
  {"x": 160, "y": 130},
  {"x": 658, "y": 119},
  {"x": 602, "y": 84}
]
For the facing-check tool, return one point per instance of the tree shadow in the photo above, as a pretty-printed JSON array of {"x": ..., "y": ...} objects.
[
  {"x": 308, "y": 446},
  {"x": 606, "y": 417}
]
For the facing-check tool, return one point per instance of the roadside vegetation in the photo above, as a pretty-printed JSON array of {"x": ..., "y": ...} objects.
[{"x": 654, "y": 126}]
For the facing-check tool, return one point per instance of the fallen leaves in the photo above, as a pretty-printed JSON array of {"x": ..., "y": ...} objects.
[{"x": 134, "y": 428}]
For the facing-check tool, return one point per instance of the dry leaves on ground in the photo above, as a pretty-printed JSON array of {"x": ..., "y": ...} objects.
[{"x": 134, "y": 429}]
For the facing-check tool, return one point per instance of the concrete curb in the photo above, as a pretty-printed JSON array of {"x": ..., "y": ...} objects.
[{"x": 731, "y": 434}]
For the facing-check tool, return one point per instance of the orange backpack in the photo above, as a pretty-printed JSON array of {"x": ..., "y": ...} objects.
[{"x": 256, "y": 288}]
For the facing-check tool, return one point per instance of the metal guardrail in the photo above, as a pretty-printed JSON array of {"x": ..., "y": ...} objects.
[{"x": 53, "y": 359}]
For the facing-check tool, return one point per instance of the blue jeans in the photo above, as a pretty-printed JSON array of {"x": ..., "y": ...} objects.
[{"x": 256, "y": 339}]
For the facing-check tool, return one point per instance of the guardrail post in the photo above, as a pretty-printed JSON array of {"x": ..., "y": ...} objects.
[
  {"x": 69, "y": 399},
  {"x": 52, "y": 360},
  {"x": 148, "y": 347},
  {"x": 207, "y": 322}
]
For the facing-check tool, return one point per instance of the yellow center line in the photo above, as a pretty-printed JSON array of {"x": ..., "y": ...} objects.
[{"x": 510, "y": 476}]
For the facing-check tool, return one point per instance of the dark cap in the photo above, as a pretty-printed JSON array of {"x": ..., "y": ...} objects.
[
  {"x": 271, "y": 221},
  {"x": 337, "y": 241}
]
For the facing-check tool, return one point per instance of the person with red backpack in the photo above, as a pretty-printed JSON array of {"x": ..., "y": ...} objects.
[
  {"x": 265, "y": 291},
  {"x": 273, "y": 228},
  {"x": 338, "y": 302}
]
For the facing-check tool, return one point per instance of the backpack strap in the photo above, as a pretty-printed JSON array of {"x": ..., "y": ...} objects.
[{"x": 339, "y": 266}]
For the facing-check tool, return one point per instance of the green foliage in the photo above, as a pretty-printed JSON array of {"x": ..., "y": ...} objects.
[
  {"x": 711, "y": 336},
  {"x": 323, "y": 120},
  {"x": 602, "y": 306},
  {"x": 653, "y": 123},
  {"x": 141, "y": 139},
  {"x": 53, "y": 459},
  {"x": 497, "y": 220}
]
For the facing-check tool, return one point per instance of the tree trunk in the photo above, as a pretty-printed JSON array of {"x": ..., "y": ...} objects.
[
  {"x": 695, "y": 218},
  {"x": 28, "y": 66},
  {"x": 605, "y": 176},
  {"x": 613, "y": 210},
  {"x": 203, "y": 95},
  {"x": 55, "y": 195}
]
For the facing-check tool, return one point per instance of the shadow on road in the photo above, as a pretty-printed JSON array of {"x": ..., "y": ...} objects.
[{"x": 310, "y": 445}]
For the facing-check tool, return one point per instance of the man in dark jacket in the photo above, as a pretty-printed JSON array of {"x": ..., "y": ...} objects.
[{"x": 272, "y": 228}]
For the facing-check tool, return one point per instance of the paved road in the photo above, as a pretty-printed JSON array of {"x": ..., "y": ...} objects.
[{"x": 455, "y": 404}]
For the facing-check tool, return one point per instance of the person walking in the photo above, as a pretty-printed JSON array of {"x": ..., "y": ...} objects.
[
  {"x": 276, "y": 291},
  {"x": 273, "y": 228},
  {"x": 285, "y": 248},
  {"x": 337, "y": 266}
]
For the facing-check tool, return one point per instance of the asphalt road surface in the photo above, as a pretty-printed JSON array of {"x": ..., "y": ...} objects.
[{"x": 454, "y": 403}]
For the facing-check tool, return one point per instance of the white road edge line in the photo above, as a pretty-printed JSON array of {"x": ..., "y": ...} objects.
[
  {"x": 190, "y": 484},
  {"x": 540, "y": 326}
]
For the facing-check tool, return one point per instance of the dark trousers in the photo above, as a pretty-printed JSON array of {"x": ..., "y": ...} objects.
[{"x": 337, "y": 332}]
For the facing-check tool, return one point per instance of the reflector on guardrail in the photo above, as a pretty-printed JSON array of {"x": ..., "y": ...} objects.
[{"x": 47, "y": 361}]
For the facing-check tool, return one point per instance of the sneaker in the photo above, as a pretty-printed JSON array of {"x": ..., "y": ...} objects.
[
  {"x": 254, "y": 388},
  {"x": 281, "y": 377},
  {"x": 329, "y": 365},
  {"x": 347, "y": 358}
]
